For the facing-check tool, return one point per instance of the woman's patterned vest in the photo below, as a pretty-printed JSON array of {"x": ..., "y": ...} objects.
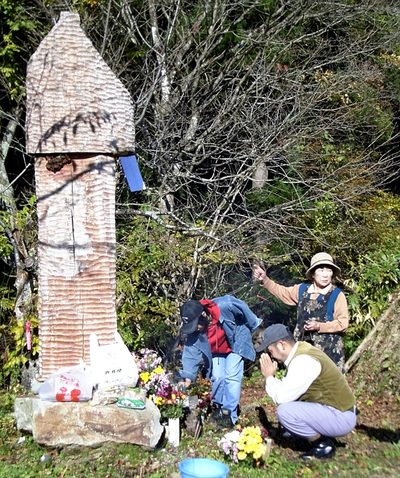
[{"x": 331, "y": 344}]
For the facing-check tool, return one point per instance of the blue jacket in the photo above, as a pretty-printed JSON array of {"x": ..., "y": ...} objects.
[{"x": 238, "y": 322}]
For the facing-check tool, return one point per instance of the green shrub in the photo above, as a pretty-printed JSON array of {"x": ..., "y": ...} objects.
[{"x": 374, "y": 277}]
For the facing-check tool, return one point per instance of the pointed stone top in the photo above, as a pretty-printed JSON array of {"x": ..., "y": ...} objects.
[
  {"x": 75, "y": 103},
  {"x": 73, "y": 16}
]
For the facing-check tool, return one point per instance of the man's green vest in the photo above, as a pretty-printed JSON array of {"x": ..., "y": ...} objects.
[{"x": 330, "y": 387}]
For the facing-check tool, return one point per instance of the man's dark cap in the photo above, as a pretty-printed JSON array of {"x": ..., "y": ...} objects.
[
  {"x": 272, "y": 334},
  {"x": 190, "y": 313}
]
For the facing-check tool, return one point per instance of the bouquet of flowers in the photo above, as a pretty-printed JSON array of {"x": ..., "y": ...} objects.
[
  {"x": 152, "y": 376},
  {"x": 202, "y": 388},
  {"x": 249, "y": 443},
  {"x": 171, "y": 402},
  {"x": 147, "y": 359}
]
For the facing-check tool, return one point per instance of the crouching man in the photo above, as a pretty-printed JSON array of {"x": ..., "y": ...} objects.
[{"x": 314, "y": 399}]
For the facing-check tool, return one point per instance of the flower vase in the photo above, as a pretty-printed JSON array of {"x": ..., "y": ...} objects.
[
  {"x": 268, "y": 442},
  {"x": 174, "y": 431}
]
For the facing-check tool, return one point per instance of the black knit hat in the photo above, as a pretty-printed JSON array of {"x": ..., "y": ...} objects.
[{"x": 190, "y": 313}]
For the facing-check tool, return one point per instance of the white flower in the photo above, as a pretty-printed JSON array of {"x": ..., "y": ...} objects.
[
  {"x": 233, "y": 436},
  {"x": 229, "y": 438}
]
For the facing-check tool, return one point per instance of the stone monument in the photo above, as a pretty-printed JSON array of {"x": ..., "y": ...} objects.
[{"x": 79, "y": 118}]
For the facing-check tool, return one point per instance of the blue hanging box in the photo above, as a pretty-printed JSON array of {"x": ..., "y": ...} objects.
[{"x": 132, "y": 173}]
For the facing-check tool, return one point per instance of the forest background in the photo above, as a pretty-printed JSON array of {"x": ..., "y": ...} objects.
[{"x": 266, "y": 131}]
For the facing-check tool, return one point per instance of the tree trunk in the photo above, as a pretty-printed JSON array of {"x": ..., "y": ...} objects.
[{"x": 23, "y": 282}]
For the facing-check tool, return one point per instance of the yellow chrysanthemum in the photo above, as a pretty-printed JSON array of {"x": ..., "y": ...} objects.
[
  {"x": 241, "y": 455},
  {"x": 240, "y": 444},
  {"x": 250, "y": 443},
  {"x": 145, "y": 376},
  {"x": 158, "y": 370},
  {"x": 259, "y": 452}
]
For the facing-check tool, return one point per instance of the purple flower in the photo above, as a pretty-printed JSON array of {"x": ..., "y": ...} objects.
[
  {"x": 226, "y": 446},
  {"x": 234, "y": 453}
]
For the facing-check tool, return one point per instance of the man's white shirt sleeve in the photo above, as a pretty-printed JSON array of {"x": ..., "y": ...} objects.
[{"x": 300, "y": 375}]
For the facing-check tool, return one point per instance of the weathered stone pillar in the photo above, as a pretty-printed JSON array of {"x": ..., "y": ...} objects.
[{"x": 79, "y": 116}]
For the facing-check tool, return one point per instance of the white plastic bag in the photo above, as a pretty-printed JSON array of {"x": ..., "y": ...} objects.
[
  {"x": 68, "y": 384},
  {"x": 112, "y": 364}
]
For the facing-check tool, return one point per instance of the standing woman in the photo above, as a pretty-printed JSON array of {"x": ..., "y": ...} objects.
[{"x": 322, "y": 312}]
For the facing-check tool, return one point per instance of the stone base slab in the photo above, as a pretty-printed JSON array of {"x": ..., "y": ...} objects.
[{"x": 68, "y": 423}]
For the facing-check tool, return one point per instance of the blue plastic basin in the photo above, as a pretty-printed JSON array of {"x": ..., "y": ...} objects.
[{"x": 203, "y": 468}]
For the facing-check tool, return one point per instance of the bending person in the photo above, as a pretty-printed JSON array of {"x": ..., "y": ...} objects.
[
  {"x": 322, "y": 312},
  {"x": 314, "y": 399},
  {"x": 219, "y": 335}
]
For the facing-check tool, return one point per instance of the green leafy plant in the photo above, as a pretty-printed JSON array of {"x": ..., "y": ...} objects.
[
  {"x": 146, "y": 258},
  {"x": 16, "y": 353},
  {"x": 375, "y": 277}
]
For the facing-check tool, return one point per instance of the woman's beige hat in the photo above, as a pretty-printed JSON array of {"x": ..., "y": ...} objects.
[{"x": 322, "y": 258}]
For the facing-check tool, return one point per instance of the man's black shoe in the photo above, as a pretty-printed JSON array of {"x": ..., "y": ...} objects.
[
  {"x": 215, "y": 414},
  {"x": 225, "y": 420},
  {"x": 323, "y": 448}
]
